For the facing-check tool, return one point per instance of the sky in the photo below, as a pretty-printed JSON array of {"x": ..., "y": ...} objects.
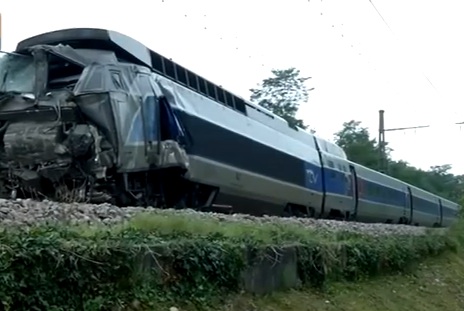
[{"x": 405, "y": 57}]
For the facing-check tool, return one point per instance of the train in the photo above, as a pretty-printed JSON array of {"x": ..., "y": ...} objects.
[{"x": 93, "y": 115}]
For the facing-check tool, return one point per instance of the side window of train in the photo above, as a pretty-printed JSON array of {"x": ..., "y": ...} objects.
[
  {"x": 332, "y": 165},
  {"x": 117, "y": 79}
]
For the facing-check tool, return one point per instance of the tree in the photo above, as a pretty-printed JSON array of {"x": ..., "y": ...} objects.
[
  {"x": 358, "y": 146},
  {"x": 282, "y": 94}
]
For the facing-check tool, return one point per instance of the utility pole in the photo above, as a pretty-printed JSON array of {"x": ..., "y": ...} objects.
[
  {"x": 0, "y": 31},
  {"x": 383, "y": 163}
]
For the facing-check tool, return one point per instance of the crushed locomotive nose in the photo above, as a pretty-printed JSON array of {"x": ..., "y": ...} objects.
[
  {"x": 80, "y": 123},
  {"x": 92, "y": 115}
]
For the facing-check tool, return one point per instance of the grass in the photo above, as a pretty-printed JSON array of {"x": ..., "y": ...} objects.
[
  {"x": 201, "y": 259},
  {"x": 169, "y": 225},
  {"x": 437, "y": 284}
]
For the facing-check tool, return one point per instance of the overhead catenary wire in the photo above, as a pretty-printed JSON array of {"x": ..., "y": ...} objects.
[{"x": 394, "y": 35}]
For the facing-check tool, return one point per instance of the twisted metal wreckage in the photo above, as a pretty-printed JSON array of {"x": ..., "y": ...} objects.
[{"x": 71, "y": 118}]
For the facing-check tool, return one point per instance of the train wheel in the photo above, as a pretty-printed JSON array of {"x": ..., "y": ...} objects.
[{"x": 403, "y": 221}]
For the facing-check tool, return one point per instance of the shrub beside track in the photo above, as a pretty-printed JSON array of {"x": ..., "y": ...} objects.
[{"x": 63, "y": 267}]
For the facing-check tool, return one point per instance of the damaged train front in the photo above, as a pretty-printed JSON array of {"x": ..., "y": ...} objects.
[{"x": 48, "y": 148}]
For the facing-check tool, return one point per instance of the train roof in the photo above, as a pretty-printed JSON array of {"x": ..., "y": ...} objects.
[
  {"x": 130, "y": 50},
  {"x": 125, "y": 47}
]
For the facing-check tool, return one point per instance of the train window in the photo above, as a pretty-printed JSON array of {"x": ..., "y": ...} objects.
[
  {"x": 181, "y": 74},
  {"x": 211, "y": 89},
  {"x": 202, "y": 84},
  {"x": 157, "y": 62},
  {"x": 221, "y": 96},
  {"x": 229, "y": 99},
  {"x": 240, "y": 105},
  {"x": 192, "y": 79},
  {"x": 169, "y": 67}
]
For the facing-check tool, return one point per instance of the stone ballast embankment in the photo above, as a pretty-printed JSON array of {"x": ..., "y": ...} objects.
[{"x": 29, "y": 212}]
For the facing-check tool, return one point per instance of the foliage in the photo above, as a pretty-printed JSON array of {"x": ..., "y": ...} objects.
[
  {"x": 360, "y": 148},
  {"x": 282, "y": 94},
  {"x": 358, "y": 145},
  {"x": 84, "y": 268}
]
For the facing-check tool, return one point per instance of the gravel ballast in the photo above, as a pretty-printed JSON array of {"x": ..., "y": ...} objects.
[{"x": 29, "y": 212}]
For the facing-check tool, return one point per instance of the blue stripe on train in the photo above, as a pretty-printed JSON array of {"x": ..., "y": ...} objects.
[{"x": 338, "y": 183}]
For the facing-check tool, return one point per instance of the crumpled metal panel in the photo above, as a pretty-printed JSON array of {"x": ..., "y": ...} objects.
[
  {"x": 93, "y": 38},
  {"x": 31, "y": 143},
  {"x": 17, "y": 73},
  {"x": 138, "y": 118},
  {"x": 98, "y": 96},
  {"x": 122, "y": 101},
  {"x": 65, "y": 52},
  {"x": 172, "y": 154},
  {"x": 135, "y": 117},
  {"x": 176, "y": 98},
  {"x": 97, "y": 109}
]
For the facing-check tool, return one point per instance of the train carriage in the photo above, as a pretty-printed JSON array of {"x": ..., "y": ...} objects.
[
  {"x": 450, "y": 211},
  {"x": 134, "y": 127},
  {"x": 241, "y": 156},
  {"x": 381, "y": 197},
  {"x": 426, "y": 209}
]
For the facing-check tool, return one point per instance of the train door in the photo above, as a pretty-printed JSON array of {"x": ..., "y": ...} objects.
[
  {"x": 150, "y": 115},
  {"x": 354, "y": 192},
  {"x": 441, "y": 212},
  {"x": 408, "y": 213}
]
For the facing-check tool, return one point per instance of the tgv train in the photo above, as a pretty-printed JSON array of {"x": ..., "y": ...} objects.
[{"x": 94, "y": 115}]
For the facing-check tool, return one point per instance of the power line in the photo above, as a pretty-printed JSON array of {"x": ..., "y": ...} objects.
[
  {"x": 393, "y": 33},
  {"x": 383, "y": 164},
  {"x": 378, "y": 12}
]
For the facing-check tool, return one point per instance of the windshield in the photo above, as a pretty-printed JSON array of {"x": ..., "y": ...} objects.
[{"x": 17, "y": 73}]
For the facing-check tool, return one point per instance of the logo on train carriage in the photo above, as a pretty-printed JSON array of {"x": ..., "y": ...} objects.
[{"x": 311, "y": 176}]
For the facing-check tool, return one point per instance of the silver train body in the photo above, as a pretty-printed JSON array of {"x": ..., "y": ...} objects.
[{"x": 159, "y": 134}]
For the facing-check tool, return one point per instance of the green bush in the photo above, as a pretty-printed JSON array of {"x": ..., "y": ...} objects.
[{"x": 70, "y": 268}]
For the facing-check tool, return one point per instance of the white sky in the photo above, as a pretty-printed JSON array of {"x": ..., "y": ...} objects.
[{"x": 357, "y": 64}]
